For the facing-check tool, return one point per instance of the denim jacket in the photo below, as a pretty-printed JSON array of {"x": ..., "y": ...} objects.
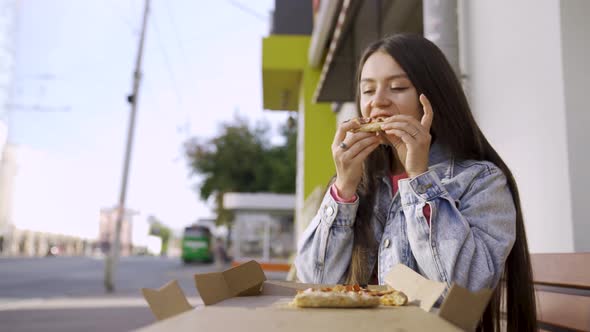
[{"x": 471, "y": 232}]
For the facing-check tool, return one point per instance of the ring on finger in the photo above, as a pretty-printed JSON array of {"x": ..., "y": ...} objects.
[{"x": 343, "y": 146}]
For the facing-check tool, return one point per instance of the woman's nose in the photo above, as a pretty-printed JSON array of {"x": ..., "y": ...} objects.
[{"x": 380, "y": 100}]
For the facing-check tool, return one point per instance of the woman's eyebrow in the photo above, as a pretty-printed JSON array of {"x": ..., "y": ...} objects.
[{"x": 389, "y": 78}]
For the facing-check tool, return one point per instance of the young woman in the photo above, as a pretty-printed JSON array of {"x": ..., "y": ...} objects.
[{"x": 427, "y": 191}]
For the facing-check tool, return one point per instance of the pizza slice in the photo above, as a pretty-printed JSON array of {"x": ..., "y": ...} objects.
[
  {"x": 351, "y": 296},
  {"x": 346, "y": 296},
  {"x": 369, "y": 125},
  {"x": 394, "y": 298}
]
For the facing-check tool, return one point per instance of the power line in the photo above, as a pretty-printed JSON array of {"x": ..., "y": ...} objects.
[
  {"x": 160, "y": 43},
  {"x": 123, "y": 19},
  {"x": 176, "y": 34},
  {"x": 187, "y": 124},
  {"x": 156, "y": 101},
  {"x": 36, "y": 108},
  {"x": 167, "y": 62},
  {"x": 248, "y": 10},
  {"x": 40, "y": 104}
]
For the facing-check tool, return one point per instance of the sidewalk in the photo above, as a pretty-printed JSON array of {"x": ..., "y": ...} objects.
[
  {"x": 66, "y": 294},
  {"x": 70, "y": 320}
]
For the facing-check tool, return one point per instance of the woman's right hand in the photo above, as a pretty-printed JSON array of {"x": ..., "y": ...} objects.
[{"x": 349, "y": 151}]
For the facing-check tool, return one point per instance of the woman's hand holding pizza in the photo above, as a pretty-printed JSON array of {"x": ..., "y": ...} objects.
[
  {"x": 411, "y": 138},
  {"x": 349, "y": 152}
]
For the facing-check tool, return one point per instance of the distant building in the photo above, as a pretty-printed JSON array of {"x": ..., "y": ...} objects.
[
  {"x": 7, "y": 173},
  {"x": 8, "y": 15},
  {"x": 107, "y": 226},
  {"x": 262, "y": 228}
]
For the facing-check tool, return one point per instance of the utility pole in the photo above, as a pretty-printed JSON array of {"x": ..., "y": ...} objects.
[{"x": 113, "y": 255}]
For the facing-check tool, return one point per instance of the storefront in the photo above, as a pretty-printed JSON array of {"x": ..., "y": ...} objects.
[
  {"x": 262, "y": 228},
  {"x": 483, "y": 41},
  {"x": 313, "y": 74}
]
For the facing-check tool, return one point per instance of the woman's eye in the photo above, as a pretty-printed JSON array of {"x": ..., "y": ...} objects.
[
  {"x": 398, "y": 88},
  {"x": 366, "y": 92}
]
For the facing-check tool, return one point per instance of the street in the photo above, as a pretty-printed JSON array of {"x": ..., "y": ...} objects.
[{"x": 67, "y": 294}]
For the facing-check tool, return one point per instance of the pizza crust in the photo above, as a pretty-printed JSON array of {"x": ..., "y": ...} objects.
[
  {"x": 395, "y": 298},
  {"x": 317, "y": 299},
  {"x": 349, "y": 296}
]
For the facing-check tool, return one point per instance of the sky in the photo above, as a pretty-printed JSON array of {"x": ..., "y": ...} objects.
[{"x": 74, "y": 59}]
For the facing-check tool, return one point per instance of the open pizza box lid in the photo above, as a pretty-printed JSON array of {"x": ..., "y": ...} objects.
[{"x": 241, "y": 289}]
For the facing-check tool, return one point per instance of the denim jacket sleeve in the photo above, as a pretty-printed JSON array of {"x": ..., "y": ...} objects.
[
  {"x": 468, "y": 240},
  {"x": 326, "y": 244}
]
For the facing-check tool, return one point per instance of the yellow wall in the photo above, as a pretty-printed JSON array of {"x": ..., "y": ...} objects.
[
  {"x": 319, "y": 129},
  {"x": 283, "y": 61},
  {"x": 289, "y": 84}
]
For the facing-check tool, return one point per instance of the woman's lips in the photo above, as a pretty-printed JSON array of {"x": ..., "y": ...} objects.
[{"x": 380, "y": 115}]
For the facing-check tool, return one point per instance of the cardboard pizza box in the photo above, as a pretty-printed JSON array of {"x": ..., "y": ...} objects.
[{"x": 242, "y": 299}]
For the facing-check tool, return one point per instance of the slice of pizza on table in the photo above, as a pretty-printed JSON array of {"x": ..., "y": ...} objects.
[{"x": 347, "y": 296}]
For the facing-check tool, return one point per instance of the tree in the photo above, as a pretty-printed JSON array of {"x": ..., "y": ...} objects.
[
  {"x": 157, "y": 228},
  {"x": 283, "y": 161},
  {"x": 241, "y": 159}
]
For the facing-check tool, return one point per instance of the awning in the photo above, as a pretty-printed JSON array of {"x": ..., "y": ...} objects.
[
  {"x": 359, "y": 23},
  {"x": 283, "y": 59}
]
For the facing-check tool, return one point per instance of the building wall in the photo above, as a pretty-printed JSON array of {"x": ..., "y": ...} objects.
[
  {"x": 8, "y": 15},
  {"x": 315, "y": 167},
  {"x": 29, "y": 243},
  {"x": 319, "y": 127},
  {"x": 7, "y": 173},
  {"x": 575, "y": 49},
  {"x": 515, "y": 77}
]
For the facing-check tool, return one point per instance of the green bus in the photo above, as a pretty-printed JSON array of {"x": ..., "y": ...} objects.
[{"x": 196, "y": 244}]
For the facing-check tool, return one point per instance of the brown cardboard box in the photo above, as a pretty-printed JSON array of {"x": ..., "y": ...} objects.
[{"x": 241, "y": 299}]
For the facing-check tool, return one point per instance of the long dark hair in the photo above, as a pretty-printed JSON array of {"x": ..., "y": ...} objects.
[{"x": 455, "y": 129}]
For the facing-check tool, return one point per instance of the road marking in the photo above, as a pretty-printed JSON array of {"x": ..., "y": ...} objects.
[{"x": 78, "y": 303}]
